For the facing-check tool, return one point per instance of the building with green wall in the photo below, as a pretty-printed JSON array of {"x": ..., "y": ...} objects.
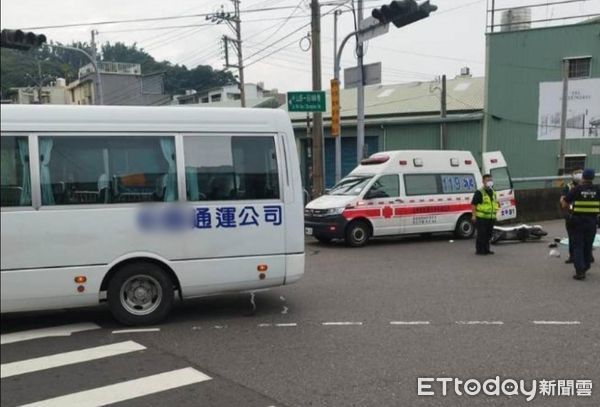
[{"x": 524, "y": 94}]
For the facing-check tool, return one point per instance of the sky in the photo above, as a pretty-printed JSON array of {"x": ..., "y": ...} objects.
[{"x": 451, "y": 38}]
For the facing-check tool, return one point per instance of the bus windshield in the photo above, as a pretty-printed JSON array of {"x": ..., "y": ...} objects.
[{"x": 352, "y": 185}]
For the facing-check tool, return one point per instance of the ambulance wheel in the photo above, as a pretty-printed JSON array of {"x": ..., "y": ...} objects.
[
  {"x": 358, "y": 233},
  {"x": 323, "y": 239},
  {"x": 140, "y": 293},
  {"x": 464, "y": 227}
]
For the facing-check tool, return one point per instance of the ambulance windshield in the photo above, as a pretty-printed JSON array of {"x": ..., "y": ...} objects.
[{"x": 352, "y": 185}]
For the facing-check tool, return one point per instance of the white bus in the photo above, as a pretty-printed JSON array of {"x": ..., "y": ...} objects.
[
  {"x": 138, "y": 205},
  {"x": 408, "y": 192}
]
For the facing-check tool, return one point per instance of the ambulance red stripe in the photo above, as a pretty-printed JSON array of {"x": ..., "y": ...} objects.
[{"x": 406, "y": 211}]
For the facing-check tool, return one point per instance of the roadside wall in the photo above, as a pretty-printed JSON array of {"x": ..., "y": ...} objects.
[{"x": 538, "y": 204}]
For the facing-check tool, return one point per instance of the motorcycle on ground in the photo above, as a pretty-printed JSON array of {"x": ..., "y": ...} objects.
[{"x": 518, "y": 232}]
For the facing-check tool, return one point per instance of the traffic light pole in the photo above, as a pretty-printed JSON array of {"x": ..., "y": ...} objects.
[
  {"x": 336, "y": 75},
  {"x": 360, "y": 93},
  {"x": 94, "y": 64}
]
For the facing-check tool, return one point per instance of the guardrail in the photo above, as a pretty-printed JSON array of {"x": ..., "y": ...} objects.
[{"x": 548, "y": 178}]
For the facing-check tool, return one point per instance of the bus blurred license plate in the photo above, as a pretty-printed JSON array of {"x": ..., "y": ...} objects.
[{"x": 308, "y": 231}]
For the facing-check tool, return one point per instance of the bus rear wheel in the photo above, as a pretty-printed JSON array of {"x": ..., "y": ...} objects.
[{"x": 140, "y": 294}]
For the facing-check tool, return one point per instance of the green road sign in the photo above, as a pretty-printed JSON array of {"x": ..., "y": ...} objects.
[{"x": 313, "y": 101}]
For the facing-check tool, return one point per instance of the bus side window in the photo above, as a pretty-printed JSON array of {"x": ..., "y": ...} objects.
[
  {"x": 107, "y": 169},
  {"x": 222, "y": 168},
  {"x": 15, "y": 180}
]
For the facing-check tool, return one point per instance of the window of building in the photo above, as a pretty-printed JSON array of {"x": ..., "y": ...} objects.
[
  {"x": 215, "y": 98},
  {"x": 15, "y": 180},
  {"x": 205, "y": 99},
  {"x": 580, "y": 67},
  {"x": 386, "y": 186},
  {"x": 105, "y": 170},
  {"x": 572, "y": 163},
  {"x": 230, "y": 168},
  {"x": 422, "y": 184}
]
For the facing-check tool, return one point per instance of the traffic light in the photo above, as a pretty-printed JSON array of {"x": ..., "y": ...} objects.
[
  {"x": 403, "y": 12},
  {"x": 17, "y": 39}
]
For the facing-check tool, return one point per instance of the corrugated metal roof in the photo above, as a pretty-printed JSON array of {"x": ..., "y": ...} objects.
[{"x": 406, "y": 99}]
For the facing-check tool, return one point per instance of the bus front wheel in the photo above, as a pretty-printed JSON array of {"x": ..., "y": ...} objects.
[{"x": 140, "y": 294}]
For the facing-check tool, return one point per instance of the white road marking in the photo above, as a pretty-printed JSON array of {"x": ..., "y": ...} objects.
[
  {"x": 122, "y": 391},
  {"x": 278, "y": 325},
  {"x": 340, "y": 323},
  {"x": 63, "y": 330},
  {"x": 480, "y": 322},
  {"x": 132, "y": 331},
  {"x": 285, "y": 310},
  {"x": 264, "y": 325},
  {"x": 409, "y": 323},
  {"x": 220, "y": 326},
  {"x": 557, "y": 322},
  {"x": 287, "y": 324},
  {"x": 68, "y": 358}
]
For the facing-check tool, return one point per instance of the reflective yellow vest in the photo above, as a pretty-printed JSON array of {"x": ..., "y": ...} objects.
[
  {"x": 587, "y": 201},
  {"x": 488, "y": 207}
]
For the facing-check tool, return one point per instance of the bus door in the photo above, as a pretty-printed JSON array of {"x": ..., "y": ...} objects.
[{"x": 234, "y": 186}]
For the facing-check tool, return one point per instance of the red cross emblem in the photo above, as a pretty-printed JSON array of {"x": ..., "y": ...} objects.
[{"x": 387, "y": 212}]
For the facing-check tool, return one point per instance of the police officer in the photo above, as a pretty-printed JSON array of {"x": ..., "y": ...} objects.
[
  {"x": 585, "y": 201},
  {"x": 576, "y": 179},
  {"x": 484, "y": 206}
]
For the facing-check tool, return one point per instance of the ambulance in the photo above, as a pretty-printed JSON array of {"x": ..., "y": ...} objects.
[{"x": 408, "y": 192}]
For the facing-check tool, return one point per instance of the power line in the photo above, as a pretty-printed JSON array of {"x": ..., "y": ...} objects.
[{"x": 139, "y": 20}]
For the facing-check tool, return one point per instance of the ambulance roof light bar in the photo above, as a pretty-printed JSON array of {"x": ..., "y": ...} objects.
[{"x": 375, "y": 159}]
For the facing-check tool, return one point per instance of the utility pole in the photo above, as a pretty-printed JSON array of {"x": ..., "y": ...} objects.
[
  {"x": 40, "y": 82},
  {"x": 360, "y": 92},
  {"x": 235, "y": 24},
  {"x": 563, "y": 117},
  {"x": 443, "y": 126},
  {"x": 238, "y": 33},
  {"x": 317, "y": 128},
  {"x": 94, "y": 50},
  {"x": 98, "y": 99}
]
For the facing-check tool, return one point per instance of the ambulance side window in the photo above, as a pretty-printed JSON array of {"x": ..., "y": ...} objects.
[{"x": 386, "y": 186}]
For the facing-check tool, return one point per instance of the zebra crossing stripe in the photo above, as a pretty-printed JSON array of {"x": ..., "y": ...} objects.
[
  {"x": 68, "y": 358},
  {"x": 127, "y": 390},
  {"x": 64, "y": 330}
]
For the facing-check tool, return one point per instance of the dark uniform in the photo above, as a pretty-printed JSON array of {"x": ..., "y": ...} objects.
[
  {"x": 585, "y": 200},
  {"x": 487, "y": 205},
  {"x": 568, "y": 224}
]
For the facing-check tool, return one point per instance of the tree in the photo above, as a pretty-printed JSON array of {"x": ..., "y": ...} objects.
[{"x": 17, "y": 67}]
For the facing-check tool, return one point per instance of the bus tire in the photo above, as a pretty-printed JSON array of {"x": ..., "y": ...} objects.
[
  {"x": 323, "y": 239},
  {"x": 464, "y": 227},
  {"x": 358, "y": 233},
  {"x": 140, "y": 293}
]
